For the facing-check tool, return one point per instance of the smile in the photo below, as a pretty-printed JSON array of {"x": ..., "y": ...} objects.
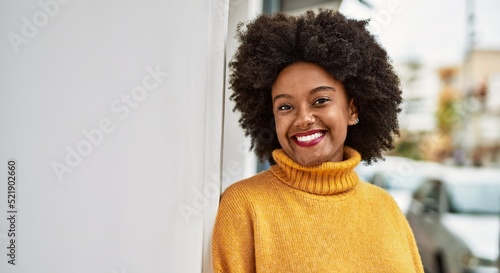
[{"x": 308, "y": 139}]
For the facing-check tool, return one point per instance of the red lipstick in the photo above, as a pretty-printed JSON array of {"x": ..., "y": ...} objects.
[{"x": 309, "y": 138}]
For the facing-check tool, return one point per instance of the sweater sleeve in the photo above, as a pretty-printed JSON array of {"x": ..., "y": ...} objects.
[
  {"x": 233, "y": 240},
  {"x": 412, "y": 244},
  {"x": 415, "y": 264},
  {"x": 414, "y": 249}
]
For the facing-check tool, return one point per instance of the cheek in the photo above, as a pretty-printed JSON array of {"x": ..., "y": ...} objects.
[
  {"x": 338, "y": 117},
  {"x": 281, "y": 127}
]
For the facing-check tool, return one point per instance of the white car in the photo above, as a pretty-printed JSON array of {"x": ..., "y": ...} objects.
[
  {"x": 400, "y": 176},
  {"x": 456, "y": 222},
  {"x": 395, "y": 164},
  {"x": 399, "y": 187}
]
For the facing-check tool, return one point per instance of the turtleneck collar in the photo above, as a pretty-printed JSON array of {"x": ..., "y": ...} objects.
[{"x": 325, "y": 179}]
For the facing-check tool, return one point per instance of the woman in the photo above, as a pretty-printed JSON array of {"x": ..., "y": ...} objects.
[{"x": 326, "y": 90}]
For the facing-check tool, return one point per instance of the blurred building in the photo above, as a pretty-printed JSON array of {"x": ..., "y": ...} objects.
[
  {"x": 296, "y": 7},
  {"x": 417, "y": 119},
  {"x": 480, "y": 107},
  {"x": 451, "y": 112},
  {"x": 468, "y": 111}
]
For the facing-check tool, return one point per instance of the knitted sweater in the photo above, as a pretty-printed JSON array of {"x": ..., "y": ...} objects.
[{"x": 292, "y": 218}]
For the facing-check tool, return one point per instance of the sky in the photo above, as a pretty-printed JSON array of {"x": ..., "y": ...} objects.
[{"x": 434, "y": 32}]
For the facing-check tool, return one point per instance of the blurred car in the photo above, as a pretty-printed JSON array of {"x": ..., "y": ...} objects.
[
  {"x": 400, "y": 176},
  {"x": 390, "y": 163},
  {"x": 399, "y": 187},
  {"x": 455, "y": 220}
]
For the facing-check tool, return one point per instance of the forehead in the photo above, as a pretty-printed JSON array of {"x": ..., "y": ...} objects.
[{"x": 303, "y": 77}]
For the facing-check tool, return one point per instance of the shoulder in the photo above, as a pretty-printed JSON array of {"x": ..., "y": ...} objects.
[
  {"x": 250, "y": 188},
  {"x": 381, "y": 202},
  {"x": 239, "y": 200},
  {"x": 377, "y": 194},
  {"x": 372, "y": 189}
]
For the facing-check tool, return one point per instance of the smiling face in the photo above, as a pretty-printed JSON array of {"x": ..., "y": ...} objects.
[{"x": 311, "y": 112}]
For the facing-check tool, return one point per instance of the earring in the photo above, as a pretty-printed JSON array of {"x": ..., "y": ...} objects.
[{"x": 356, "y": 121}]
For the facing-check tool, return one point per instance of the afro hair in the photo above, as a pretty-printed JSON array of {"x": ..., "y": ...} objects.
[{"x": 343, "y": 47}]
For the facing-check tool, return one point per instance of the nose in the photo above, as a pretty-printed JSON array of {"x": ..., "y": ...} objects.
[{"x": 305, "y": 118}]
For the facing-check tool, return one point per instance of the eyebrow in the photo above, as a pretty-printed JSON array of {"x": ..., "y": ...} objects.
[
  {"x": 322, "y": 88},
  {"x": 312, "y": 91}
]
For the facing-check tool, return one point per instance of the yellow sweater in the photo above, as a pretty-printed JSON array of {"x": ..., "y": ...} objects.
[{"x": 292, "y": 218}]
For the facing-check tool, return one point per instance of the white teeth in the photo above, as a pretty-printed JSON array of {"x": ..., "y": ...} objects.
[{"x": 309, "y": 137}]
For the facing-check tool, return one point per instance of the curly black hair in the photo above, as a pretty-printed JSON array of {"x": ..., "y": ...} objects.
[{"x": 343, "y": 47}]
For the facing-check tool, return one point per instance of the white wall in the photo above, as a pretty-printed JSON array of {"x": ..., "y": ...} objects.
[
  {"x": 118, "y": 166},
  {"x": 238, "y": 161}
]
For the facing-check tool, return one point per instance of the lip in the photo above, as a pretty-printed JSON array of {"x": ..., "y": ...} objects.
[{"x": 309, "y": 143}]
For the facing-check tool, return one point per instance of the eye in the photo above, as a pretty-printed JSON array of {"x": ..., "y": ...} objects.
[
  {"x": 284, "y": 107},
  {"x": 321, "y": 101}
]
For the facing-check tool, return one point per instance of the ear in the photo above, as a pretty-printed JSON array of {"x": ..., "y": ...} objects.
[{"x": 353, "y": 113}]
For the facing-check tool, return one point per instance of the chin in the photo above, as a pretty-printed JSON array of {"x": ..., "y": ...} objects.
[{"x": 310, "y": 162}]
